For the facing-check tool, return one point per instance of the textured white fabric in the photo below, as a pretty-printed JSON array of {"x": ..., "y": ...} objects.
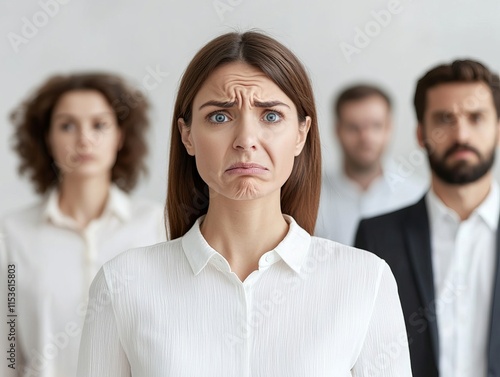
[
  {"x": 313, "y": 308},
  {"x": 55, "y": 264},
  {"x": 343, "y": 203},
  {"x": 463, "y": 258}
]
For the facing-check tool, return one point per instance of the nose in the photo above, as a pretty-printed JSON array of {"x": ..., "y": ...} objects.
[
  {"x": 365, "y": 134},
  {"x": 246, "y": 133},
  {"x": 462, "y": 130},
  {"x": 85, "y": 138}
]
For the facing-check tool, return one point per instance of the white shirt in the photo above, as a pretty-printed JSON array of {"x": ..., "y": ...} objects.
[
  {"x": 55, "y": 264},
  {"x": 343, "y": 203},
  {"x": 313, "y": 308},
  {"x": 463, "y": 259}
]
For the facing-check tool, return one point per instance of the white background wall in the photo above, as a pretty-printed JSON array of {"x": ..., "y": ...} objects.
[{"x": 132, "y": 37}]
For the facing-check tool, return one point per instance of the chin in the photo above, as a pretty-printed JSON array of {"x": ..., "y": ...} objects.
[
  {"x": 366, "y": 165},
  {"x": 246, "y": 191},
  {"x": 87, "y": 173}
]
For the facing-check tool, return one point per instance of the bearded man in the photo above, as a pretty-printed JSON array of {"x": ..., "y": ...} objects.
[{"x": 444, "y": 250}]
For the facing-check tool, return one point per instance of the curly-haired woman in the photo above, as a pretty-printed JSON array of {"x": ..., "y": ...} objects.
[{"x": 81, "y": 141}]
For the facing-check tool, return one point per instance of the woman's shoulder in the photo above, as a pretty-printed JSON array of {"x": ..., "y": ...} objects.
[
  {"x": 345, "y": 255},
  {"x": 24, "y": 216},
  {"x": 152, "y": 255},
  {"x": 347, "y": 268}
]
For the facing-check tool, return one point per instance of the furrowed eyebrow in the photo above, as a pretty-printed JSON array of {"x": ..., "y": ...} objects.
[
  {"x": 441, "y": 113},
  {"x": 270, "y": 104},
  {"x": 225, "y": 105}
]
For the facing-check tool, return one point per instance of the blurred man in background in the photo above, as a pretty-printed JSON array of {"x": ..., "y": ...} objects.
[{"x": 362, "y": 187}]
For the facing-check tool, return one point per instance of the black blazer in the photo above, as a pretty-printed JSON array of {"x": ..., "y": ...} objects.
[{"x": 403, "y": 239}]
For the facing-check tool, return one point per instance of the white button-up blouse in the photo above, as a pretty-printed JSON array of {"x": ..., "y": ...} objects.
[
  {"x": 313, "y": 308},
  {"x": 54, "y": 264}
]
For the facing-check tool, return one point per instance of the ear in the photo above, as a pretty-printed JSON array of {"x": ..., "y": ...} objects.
[
  {"x": 387, "y": 131},
  {"x": 302, "y": 135},
  {"x": 420, "y": 135},
  {"x": 389, "y": 124},
  {"x": 185, "y": 132}
]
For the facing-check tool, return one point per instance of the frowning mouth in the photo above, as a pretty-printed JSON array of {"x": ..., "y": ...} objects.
[
  {"x": 461, "y": 152},
  {"x": 246, "y": 168},
  {"x": 85, "y": 157}
]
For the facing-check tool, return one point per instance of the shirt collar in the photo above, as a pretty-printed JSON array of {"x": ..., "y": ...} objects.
[
  {"x": 488, "y": 210},
  {"x": 118, "y": 204},
  {"x": 292, "y": 249}
]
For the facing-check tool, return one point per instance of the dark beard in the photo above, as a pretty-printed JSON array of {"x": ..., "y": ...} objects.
[{"x": 462, "y": 172}]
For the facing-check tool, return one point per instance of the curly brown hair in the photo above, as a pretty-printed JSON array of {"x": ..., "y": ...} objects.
[{"x": 32, "y": 120}]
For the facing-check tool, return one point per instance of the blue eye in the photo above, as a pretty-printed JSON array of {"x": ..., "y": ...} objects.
[
  {"x": 218, "y": 118},
  {"x": 272, "y": 117}
]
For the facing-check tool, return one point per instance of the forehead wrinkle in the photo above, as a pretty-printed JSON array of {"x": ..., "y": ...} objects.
[
  {"x": 249, "y": 90},
  {"x": 460, "y": 108},
  {"x": 242, "y": 91}
]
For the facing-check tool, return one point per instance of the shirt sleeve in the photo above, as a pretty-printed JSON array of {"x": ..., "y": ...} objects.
[
  {"x": 101, "y": 352},
  {"x": 385, "y": 349}
]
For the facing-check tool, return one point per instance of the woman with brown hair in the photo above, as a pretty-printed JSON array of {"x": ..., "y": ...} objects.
[
  {"x": 243, "y": 289},
  {"x": 81, "y": 140}
]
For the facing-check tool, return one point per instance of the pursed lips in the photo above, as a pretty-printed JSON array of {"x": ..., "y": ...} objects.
[
  {"x": 246, "y": 168},
  {"x": 85, "y": 157}
]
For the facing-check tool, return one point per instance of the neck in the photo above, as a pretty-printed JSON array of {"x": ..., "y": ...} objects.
[
  {"x": 242, "y": 231},
  {"x": 363, "y": 177},
  {"x": 83, "y": 199},
  {"x": 463, "y": 199}
]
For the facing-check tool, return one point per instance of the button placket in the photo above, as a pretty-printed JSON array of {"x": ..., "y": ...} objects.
[
  {"x": 89, "y": 237},
  {"x": 462, "y": 248},
  {"x": 248, "y": 285}
]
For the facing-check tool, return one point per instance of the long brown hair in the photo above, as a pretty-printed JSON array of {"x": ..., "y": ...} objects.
[
  {"x": 32, "y": 120},
  {"x": 187, "y": 193}
]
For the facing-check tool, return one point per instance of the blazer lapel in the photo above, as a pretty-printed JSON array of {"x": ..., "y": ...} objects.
[
  {"x": 494, "y": 344},
  {"x": 419, "y": 249}
]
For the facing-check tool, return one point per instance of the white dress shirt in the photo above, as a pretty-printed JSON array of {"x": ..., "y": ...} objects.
[
  {"x": 55, "y": 264},
  {"x": 463, "y": 259},
  {"x": 313, "y": 308},
  {"x": 344, "y": 203}
]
